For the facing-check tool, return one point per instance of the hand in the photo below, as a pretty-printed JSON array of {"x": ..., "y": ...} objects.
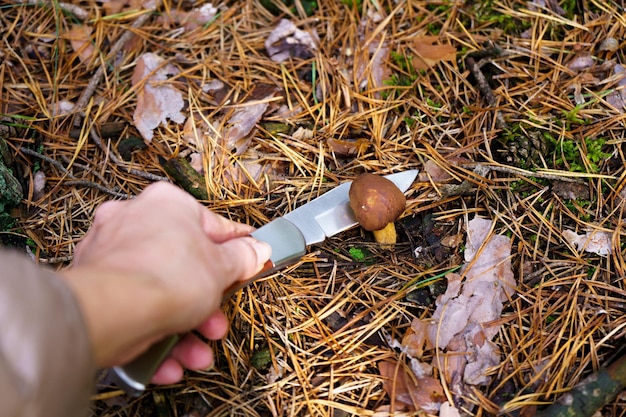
[{"x": 158, "y": 265}]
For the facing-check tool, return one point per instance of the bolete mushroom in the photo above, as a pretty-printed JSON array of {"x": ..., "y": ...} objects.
[{"x": 377, "y": 203}]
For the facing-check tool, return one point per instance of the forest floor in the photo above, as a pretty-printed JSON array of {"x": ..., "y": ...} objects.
[{"x": 512, "y": 111}]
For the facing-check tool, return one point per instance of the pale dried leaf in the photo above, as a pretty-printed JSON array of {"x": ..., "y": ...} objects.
[
  {"x": 287, "y": 41},
  {"x": 156, "y": 101},
  {"x": 581, "y": 62},
  {"x": 428, "y": 55},
  {"x": 62, "y": 107},
  {"x": 448, "y": 410},
  {"x": 463, "y": 320},
  {"x": 302, "y": 133},
  {"x": 617, "y": 98},
  {"x": 196, "y": 162},
  {"x": 609, "y": 44},
  {"x": 594, "y": 241},
  {"x": 80, "y": 39},
  {"x": 348, "y": 147},
  {"x": 116, "y": 6},
  {"x": 191, "y": 20}
]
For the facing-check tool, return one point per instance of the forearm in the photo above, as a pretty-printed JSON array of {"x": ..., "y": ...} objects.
[{"x": 46, "y": 367}]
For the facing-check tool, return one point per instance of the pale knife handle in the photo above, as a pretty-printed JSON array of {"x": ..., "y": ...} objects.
[{"x": 288, "y": 246}]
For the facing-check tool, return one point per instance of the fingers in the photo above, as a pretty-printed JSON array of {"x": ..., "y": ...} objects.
[
  {"x": 190, "y": 353},
  {"x": 220, "y": 229},
  {"x": 215, "y": 327},
  {"x": 106, "y": 211},
  {"x": 244, "y": 257}
]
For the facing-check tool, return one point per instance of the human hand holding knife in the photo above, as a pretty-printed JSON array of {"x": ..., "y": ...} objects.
[{"x": 288, "y": 236}]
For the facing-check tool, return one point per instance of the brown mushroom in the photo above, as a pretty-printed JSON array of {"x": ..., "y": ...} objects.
[{"x": 377, "y": 203}]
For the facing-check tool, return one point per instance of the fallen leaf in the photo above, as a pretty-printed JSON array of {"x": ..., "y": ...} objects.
[
  {"x": 462, "y": 326},
  {"x": 581, "y": 62},
  {"x": 429, "y": 55},
  {"x": 287, "y": 41},
  {"x": 448, "y": 410},
  {"x": 617, "y": 98},
  {"x": 593, "y": 241},
  {"x": 409, "y": 394},
  {"x": 190, "y": 20},
  {"x": 348, "y": 147},
  {"x": 156, "y": 101},
  {"x": 609, "y": 44},
  {"x": 80, "y": 39},
  {"x": 116, "y": 6}
]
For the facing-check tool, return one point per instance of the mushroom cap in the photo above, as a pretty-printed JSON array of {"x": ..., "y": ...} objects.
[{"x": 375, "y": 201}]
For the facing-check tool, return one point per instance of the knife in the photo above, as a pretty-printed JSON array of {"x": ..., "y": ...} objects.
[{"x": 288, "y": 236}]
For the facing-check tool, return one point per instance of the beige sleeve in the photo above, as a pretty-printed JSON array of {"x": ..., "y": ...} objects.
[{"x": 46, "y": 366}]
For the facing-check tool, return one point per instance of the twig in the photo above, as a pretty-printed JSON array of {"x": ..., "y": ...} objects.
[
  {"x": 75, "y": 181},
  {"x": 485, "y": 90},
  {"x": 86, "y": 168},
  {"x": 522, "y": 172},
  {"x": 91, "y": 184},
  {"x": 146, "y": 175}
]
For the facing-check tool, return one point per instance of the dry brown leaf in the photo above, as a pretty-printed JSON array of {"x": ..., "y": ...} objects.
[
  {"x": 80, "y": 39},
  {"x": 409, "y": 394},
  {"x": 156, "y": 101},
  {"x": 428, "y": 55},
  {"x": 348, "y": 147}
]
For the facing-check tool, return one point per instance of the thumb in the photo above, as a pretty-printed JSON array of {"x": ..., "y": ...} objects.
[{"x": 246, "y": 257}]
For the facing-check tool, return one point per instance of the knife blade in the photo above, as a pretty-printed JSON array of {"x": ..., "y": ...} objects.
[{"x": 288, "y": 236}]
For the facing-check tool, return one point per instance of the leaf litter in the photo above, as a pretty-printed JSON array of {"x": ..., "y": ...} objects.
[{"x": 465, "y": 322}]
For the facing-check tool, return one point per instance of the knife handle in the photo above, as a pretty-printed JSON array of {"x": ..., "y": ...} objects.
[{"x": 288, "y": 246}]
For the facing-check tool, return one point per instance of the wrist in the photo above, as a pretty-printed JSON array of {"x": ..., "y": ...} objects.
[{"x": 124, "y": 312}]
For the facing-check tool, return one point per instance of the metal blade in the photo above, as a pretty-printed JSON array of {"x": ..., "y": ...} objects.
[{"x": 330, "y": 213}]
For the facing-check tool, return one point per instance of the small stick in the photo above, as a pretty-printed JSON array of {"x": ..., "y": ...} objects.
[
  {"x": 91, "y": 184},
  {"x": 80, "y": 13},
  {"x": 522, "y": 172},
  {"x": 146, "y": 175},
  {"x": 74, "y": 180}
]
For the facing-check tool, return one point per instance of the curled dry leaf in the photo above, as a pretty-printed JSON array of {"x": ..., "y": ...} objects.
[
  {"x": 617, "y": 98},
  {"x": 409, "y": 393},
  {"x": 156, "y": 101},
  {"x": 287, "y": 41},
  {"x": 581, "y": 62},
  {"x": 609, "y": 45},
  {"x": 191, "y": 20},
  {"x": 80, "y": 39},
  {"x": 593, "y": 241},
  {"x": 116, "y": 6},
  {"x": 428, "y": 55},
  {"x": 348, "y": 147}
]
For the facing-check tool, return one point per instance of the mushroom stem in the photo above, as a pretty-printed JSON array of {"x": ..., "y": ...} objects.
[{"x": 387, "y": 235}]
